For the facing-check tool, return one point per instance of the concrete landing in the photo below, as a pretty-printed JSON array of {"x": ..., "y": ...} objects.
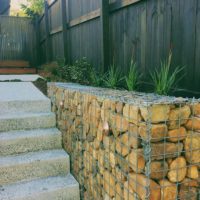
[
  {"x": 23, "y": 78},
  {"x": 19, "y": 91}
]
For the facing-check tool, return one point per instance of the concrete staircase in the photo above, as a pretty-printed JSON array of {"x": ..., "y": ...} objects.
[{"x": 33, "y": 164}]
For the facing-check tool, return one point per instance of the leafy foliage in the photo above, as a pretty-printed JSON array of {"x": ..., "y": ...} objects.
[
  {"x": 34, "y": 8},
  {"x": 113, "y": 77},
  {"x": 164, "y": 80},
  {"x": 96, "y": 78},
  {"x": 62, "y": 70},
  {"x": 132, "y": 79},
  {"x": 80, "y": 71}
]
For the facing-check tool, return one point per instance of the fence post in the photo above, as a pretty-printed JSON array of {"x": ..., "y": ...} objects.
[
  {"x": 37, "y": 26},
  {"x": 48, "y": 41},
  {"x": 105, "y": 34},
  {"x": 65, "y": 7}
]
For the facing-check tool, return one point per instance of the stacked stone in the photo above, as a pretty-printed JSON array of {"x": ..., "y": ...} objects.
[{"x": 127, "y": 146}]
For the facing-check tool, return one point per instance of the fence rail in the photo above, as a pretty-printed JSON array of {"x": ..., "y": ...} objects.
[{"x": 117, "y": 31}]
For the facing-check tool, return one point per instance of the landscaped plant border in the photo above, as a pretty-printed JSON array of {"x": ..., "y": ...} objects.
[{"x": 163, "y": 79}]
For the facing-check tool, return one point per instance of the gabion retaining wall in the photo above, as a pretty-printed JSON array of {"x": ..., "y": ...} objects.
[{"x": 129, "y": 145}]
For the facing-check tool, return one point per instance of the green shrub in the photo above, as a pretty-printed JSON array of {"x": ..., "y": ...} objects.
[
  {"x": 96, "y": 78},
  {"x": 80, "y": 71},
  {"x": 132, "y": 79},
  {"x": 164, "y": 80},
  {"x": 62, "y": 70},
  {"x": 113, "y": 77}
]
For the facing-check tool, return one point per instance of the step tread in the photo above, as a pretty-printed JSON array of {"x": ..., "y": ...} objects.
[
  {"x": 26, "y": 121},
  {"x": 24, "y": 115},
  {"x": 25, "y": 190},
  {"x": 13, "y": 160},
  {"x": 12, "y": 135}
]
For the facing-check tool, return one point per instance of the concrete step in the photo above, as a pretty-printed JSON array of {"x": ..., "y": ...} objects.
[
  {"x": 52, "y": 188},
  {"x": 33, "y": 165},
  {"x": 20, "y": 97},
  {"x": 22, "y": 121},
  {"x": 25, "y": 106},
  {"x": 24, "y": 141}
]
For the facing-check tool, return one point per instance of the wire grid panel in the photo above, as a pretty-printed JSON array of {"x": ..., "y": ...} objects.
[{"x": 130, "y": 146}]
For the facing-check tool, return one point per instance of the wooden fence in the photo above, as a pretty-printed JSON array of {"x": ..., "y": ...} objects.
[
  {"x": 117, "y": 31},
  {"x": 18, "y": 39}
]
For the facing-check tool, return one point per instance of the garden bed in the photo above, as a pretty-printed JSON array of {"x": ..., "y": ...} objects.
[{"x": 129, "y": 145}]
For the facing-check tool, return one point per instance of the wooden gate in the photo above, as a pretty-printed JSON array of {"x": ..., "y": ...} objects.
[{"x": 18, "y": 42}]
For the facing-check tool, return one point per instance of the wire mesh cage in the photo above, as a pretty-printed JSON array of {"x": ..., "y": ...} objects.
[{"x": 129, "y": 145}]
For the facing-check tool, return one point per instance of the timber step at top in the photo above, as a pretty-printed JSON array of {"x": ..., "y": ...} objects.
[
  {"x": 8, "y": 70},
  {"x": 14, "y": 63},
  {"x": 16, "y": 67}
]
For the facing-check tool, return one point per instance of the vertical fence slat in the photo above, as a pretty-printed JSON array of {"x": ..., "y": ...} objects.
[
  {"x": 48, "y": 41},
  {"x": 105, "y": 33},
  {"x": 64, "y": 6}
]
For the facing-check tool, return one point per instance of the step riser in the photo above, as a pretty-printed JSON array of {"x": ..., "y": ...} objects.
[
  {"x": 25, "y": 107},
  {"x": 51, "y": 188},
  {"x": 70, "y": 193},
  {"x": 30, "y": 144},
  {"x": 43, "y": 121},
  {"x": 33, "y": 170}
]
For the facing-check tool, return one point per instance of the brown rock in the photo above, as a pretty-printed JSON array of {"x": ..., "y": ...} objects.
[
  {"x": 129, "y": 194},
  {"x": 155, "y": 113},
  {"x": 125, "y": 142},
  {"x": 100, "y": 131},
  {"x": 121, "y": 124},
  {"x": 178, "y": 117},
  {"x": 193, "y": 124},
  {"x": 177, "y": 134},
  {"x": 192, "y": 147},
  {"x": 105, "y": 114},
  {"x": 119, "y": 107},
  {"x": 157, "y": 132},
  {"x": 101, "y": 161},
  {"x": 169, "y": 161},
  {"x": 96, "y": 144},
  {"x": 79, "y": 110},
  {"x": 108, "y": 142},
  {"x": 94, "y": 109},
  {"x": 168, "y": 190},
  {"x": 192, "y": 172},
  {"x": 159, "y": 169},
  {"x": 119, "y": 174},
  {"x": 131, "y": 113},
  {"x": 106, "y": 109},
  {"x": 177, "y": 170},
  {"x": 190, "y": 182},
  {"x": 112, "y": 159},
  {"x": 162, "y": 150},
  {"x": 123, "y": 164},
  {"x": 119, "y": 191},
  {"x": 196, "y": 109},
  {"x": 134, "y": 135},
  {"x": 109, "y": 183},
  {"x": 188, "y": 193},
  {"x": 136, "y": 160},
  {"x": 139, "y": 183}
]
